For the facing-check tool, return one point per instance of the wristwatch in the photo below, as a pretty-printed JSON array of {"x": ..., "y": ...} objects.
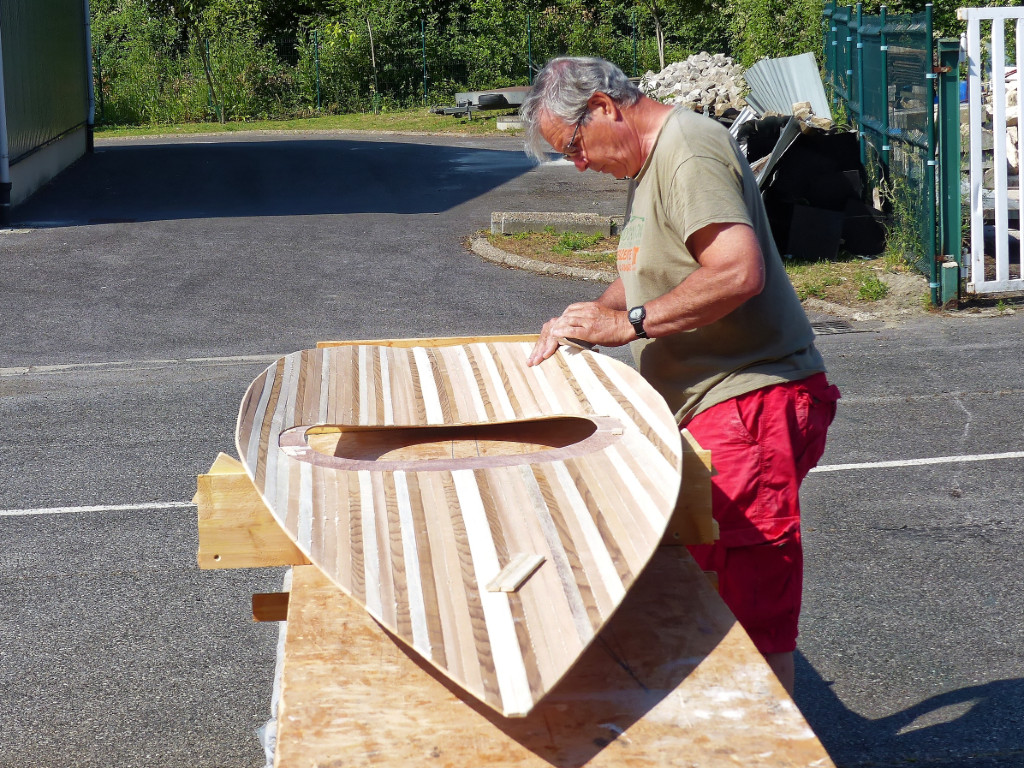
[{"x": 637, "y": 315}]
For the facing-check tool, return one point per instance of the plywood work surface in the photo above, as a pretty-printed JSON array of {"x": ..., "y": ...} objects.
[
  {"x": 412, "y": 476},
  {"x": 671, "y": 681}
]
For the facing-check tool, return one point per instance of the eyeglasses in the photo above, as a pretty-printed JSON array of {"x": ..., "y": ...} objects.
[{"x": 571, "y": 150}]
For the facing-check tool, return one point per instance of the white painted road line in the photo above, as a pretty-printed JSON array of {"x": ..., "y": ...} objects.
[
  {"x": 824, "y": 468},
  {"x": 107, "y": 508},
  {"x": 920, "y": 462},
  {"x": 128, "y": 365}
]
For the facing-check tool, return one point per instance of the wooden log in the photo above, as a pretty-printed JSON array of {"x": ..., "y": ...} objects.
[
  {"x": 671, "y": 680},
  {"x": 236, "y": 530}
]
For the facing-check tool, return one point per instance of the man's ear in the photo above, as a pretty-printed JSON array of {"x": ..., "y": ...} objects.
[{"x": 603, "y": 104}]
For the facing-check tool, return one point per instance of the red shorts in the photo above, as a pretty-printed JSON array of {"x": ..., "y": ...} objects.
[{"x": 762, "y": 446}]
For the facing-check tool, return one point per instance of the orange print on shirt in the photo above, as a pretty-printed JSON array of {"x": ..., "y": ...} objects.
[{"x": 625, "y": 258}]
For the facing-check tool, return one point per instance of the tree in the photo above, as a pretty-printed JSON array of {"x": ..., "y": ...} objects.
[{"x": 190, "y": 14}]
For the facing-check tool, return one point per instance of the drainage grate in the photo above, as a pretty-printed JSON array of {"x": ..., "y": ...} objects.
[{"x": 833, "y": 326}]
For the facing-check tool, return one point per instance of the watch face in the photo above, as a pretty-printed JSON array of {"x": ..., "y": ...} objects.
[{"x": 635, "y": 314}]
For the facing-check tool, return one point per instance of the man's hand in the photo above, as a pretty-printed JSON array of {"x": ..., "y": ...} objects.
[{"x": 587, "y": 321}]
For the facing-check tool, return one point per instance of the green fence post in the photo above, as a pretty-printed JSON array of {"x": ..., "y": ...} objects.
[
  {"x": 859, "y": 87},
  {"x": 316, "y": 63},
  {"x": 831, "y": 53},
  {"x": 884, "y": 49},
  {"x": 929, "y": 177},
  {"x": 423, "y": 38},
  {"x": 949, "y": 165}
]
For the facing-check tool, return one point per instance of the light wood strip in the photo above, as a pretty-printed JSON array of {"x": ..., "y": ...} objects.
[
  {"x": 607, "y": 472},
  {"x": 326, "y": 377},
  {"x": 604, "y": 563},
  {"x": 441, "y": 341},
  {"x": 591, "y": 579},
  {"x": 250, "y": 416},
  {"x": 305, "y": 506},
  {"x": 413, "y": 388},
  {"x": 669, "y": 447},
  {"x": 542, "y": 594},
  {"x": 385, "y": 562},
  {"x": 453, "y": 607},
  {"x": 357, "y": 548},
  {"x": 450, "y": 380},
  {"x": 651, "y": 408},
  {"x": 385, "y": 388},
  {"x": 497, "y": 524},
  {"x": 472, "y": 383},
  {"x": 506, "y": 656},
  {"x": 614, "y": 534},
  {"x": 505, "y": 382},
  {"x": 362, "y": 374},
  {"x": 414, "y": 560},
  {"x": 483, "y": 359},
  {"x": 481, "y": 638},
  {"x": 561, "y": 558},
  {"x": 449, "y": 406},
  {"x": 376, "y": 381},
  {"x": 340, "y": 498},
  {"x": 642, "y": 489},
  {"x": 429, "y": 394},
  {"x": 520, "y": 391},
  {"x": 399, "y": 365},
  {"x": 265, "y": 457}
]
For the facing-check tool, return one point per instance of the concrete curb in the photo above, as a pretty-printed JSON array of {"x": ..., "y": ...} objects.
[{"x": 485, "y": 250}]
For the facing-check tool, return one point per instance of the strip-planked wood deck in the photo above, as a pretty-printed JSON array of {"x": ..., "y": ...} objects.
[{"x": 416, "y": 477}]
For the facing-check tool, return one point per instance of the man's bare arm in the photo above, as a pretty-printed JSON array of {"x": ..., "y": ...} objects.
[{"x": 731, "y": 271}]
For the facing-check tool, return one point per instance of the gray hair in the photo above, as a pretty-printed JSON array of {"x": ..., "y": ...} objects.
[{"x": 563, "y": 88}]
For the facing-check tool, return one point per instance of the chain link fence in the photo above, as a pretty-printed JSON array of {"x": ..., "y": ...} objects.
[{"x": 880, "y": 72}]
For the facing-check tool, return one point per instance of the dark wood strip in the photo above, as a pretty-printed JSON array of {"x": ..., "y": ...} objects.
[
  {"x": 570, "y": 380},
  {"x": 481, "y": 384},
  {"x": 444, "y": 385},
  {"x": 415, "y": 393},
  {"x": 268, "y": 419},
  {"x": 545, "y": 479},
  {"x": 427, "y": 576},
  {"x": 403, "y": 619},
  {"x": 377, "y": 417},
  {"x": 481, "y": 639},
  {"x": 506, "y": 381},
  {"x": 594, "y": 508},
  {"x": 645, "y": 428},
  {"x": 526, "y": 647},
  {"x": 355, "y": 540}
]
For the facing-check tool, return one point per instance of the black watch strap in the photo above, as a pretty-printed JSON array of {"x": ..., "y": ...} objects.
[{"x": 637, "y": 315}]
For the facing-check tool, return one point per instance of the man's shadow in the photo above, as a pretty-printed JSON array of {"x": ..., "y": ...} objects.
[{"x": 979, "y": 725}]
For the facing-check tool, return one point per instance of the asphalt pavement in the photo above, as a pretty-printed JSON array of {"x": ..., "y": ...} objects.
[{"x": 144, "y": 289}]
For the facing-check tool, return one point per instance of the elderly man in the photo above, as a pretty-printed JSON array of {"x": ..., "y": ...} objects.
[{"x": 713, "y": 321}]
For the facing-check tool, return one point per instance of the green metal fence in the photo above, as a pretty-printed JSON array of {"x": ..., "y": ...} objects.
[{"x": 882, "y": 72}]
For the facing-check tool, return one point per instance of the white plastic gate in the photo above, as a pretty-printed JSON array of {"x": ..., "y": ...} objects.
[{"x": 988, "y": 79}]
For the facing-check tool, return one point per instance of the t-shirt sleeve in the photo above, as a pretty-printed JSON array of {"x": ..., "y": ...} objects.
[{"x": 706, "y": 191}]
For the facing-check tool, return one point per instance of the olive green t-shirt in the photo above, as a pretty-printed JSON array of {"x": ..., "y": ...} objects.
[{"x": 695, "y": 176}]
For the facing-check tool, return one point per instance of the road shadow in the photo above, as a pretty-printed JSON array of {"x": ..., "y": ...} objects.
[
  {"x": 981, "y": 726},
  {"x": 292, "y": 177}
]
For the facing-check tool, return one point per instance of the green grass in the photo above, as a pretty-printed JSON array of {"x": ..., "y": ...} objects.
[
  {"x": 417, "y": 120},
  {"x": 872, "y": 288},
  {"x": 575, "y": 241}
]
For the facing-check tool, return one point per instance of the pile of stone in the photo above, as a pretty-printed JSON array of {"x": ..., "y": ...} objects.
[{"x": 704, "y": 82}]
